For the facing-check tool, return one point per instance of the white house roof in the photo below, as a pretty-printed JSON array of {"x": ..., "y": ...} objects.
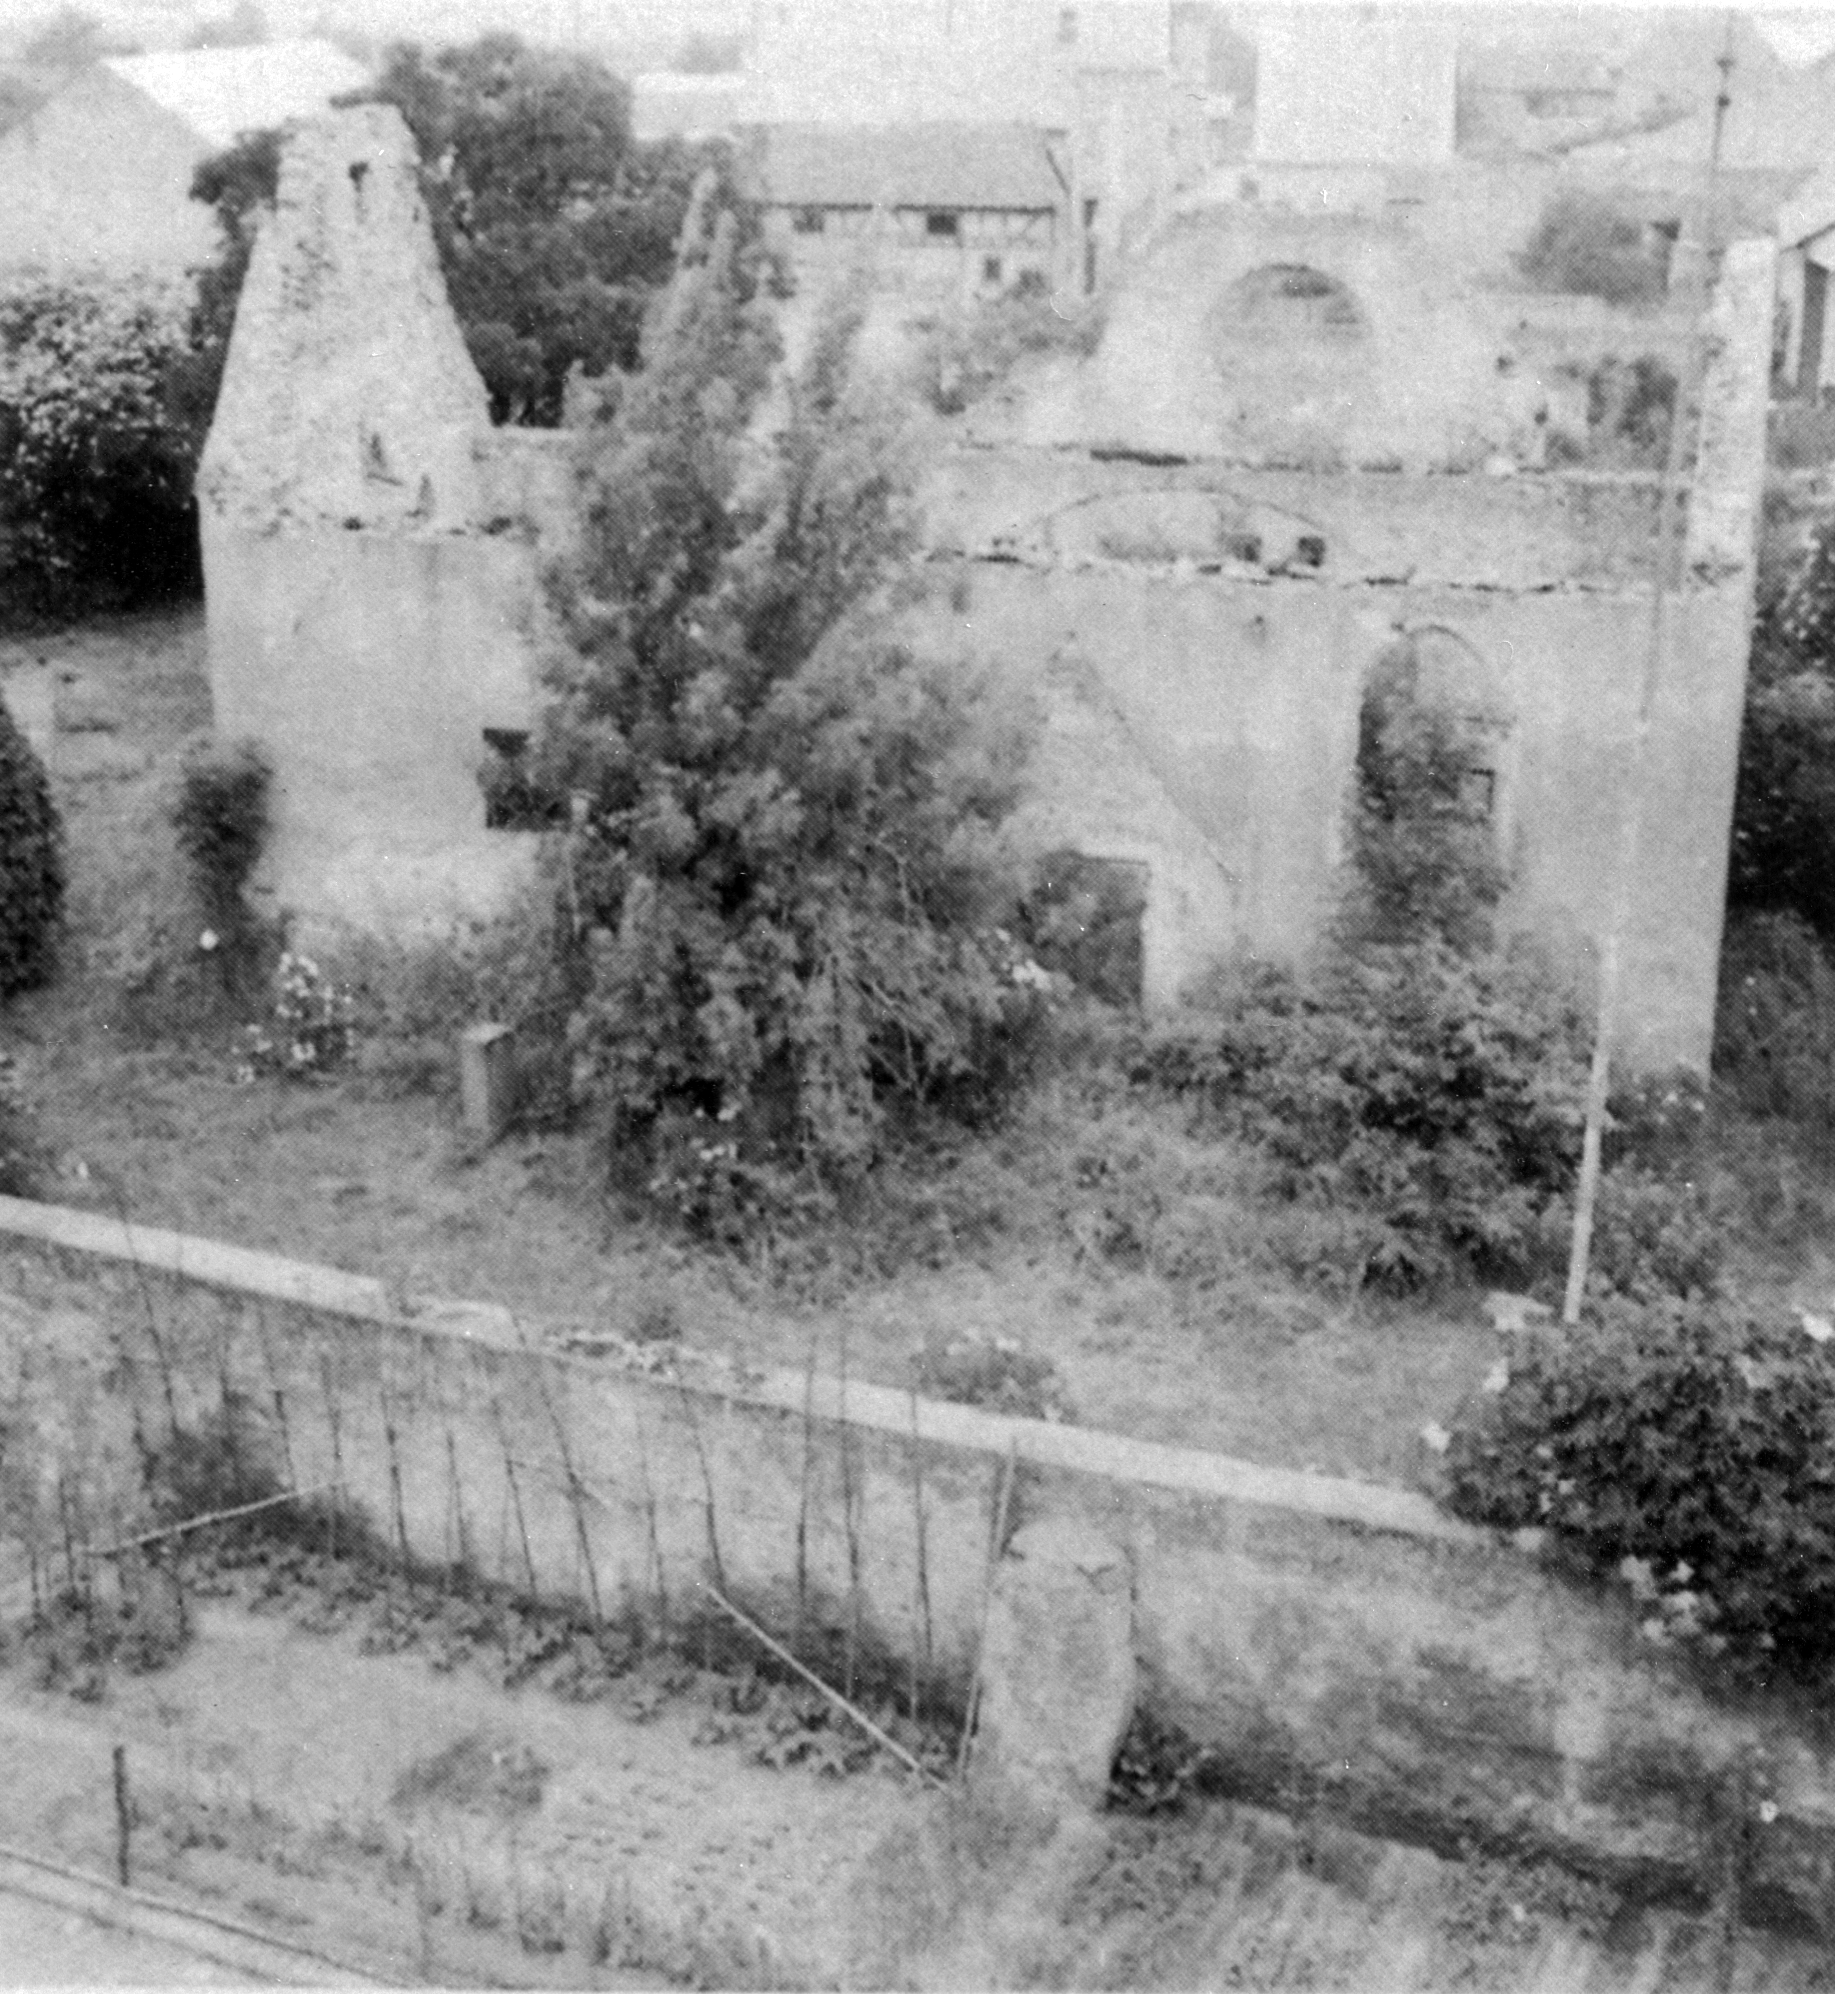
[{"x": 222, "y": 92}]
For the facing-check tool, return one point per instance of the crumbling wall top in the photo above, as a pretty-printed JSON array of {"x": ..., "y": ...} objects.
[{"x": 349, "y": 399}]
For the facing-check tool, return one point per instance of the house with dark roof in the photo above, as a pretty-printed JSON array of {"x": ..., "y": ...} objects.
[
  {"x": 957, "y": 209},
  {"x": 98, "y": 177}
]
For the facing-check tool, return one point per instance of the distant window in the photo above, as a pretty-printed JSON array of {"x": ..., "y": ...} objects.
[
  {"x": 944, "y": 224},
  {"x": 991, "y": 270},
  {"x": 1067, "y": 27},
  {"x": 809, "y": 221}
]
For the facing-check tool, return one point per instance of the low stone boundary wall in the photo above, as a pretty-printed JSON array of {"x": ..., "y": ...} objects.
[{"x": 1338, "y": 1645}]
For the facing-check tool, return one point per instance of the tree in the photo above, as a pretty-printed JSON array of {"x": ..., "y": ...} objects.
[
  {"x": 554, "y": 228},
  {"x": 31, "y": 873},
  {"x": 785, "y": 853},
  {"x": 95, "y": 476},
  {"x": 239, "y": 184}
]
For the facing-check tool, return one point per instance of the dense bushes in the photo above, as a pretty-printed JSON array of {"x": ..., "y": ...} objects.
[
  {"x": 95, "y": 475},
  {"x": 1774, "y": 1035},
  {"x": 1688, "y": 1447},
  {"x": 220, "y": 814},
  {"x": 1417, "y": 1089},
  {"x": 31, "y": 864},
  {"x": 1431, "y": 1100},
  {"x": 1416, "y": 1094},
  {"x": 1584, "y": 243}
]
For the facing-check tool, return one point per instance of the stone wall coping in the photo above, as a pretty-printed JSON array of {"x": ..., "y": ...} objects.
[
  {"x": 1175, "y": 471},
  {"x": 897, "y": 1414}
]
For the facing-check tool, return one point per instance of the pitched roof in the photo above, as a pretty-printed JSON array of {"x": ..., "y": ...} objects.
[
  {"x": 906, "y": 166},
  {"x": 222, "y": 92}
]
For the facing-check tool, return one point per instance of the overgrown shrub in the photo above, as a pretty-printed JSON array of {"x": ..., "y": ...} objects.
[
  {"x": 1586, "y": 244},
  {"x": 1654, "y": 1235},
  {"x": 1417, "y": 1094},
  {"x": 994, "y": 1373},
  {"x": 966, "y": 356},
  {"x": 1687, "y": 1447},
  {"x": 220, "y": 813},
  {"x": 95, "y": 474},
  {"x": 786, "y": 865},
  {"x": 310, "y": 1030},
  {"x": 31, "y": 864},
  {"x": 1774, "y": 1028},
  {"x": 1424, "y": 862},
  {"x": 1082, "y": 920},
  {"x": 1438, "y": 1096}
]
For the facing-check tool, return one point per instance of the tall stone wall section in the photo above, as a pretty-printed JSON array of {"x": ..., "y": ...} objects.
[{"x": 370, "y": 559}]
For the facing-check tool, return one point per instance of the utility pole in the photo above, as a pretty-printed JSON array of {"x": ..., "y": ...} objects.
[{"x": 1668, "y": 551}]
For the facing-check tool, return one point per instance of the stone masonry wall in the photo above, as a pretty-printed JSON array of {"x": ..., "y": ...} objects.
[
  {"x": 1197, "y": 614},
  {"x": 1324, "y": 1636},
  {"x": 371, "y": 549}
]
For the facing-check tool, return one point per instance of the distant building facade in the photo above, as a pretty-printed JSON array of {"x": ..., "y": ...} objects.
[{"x": 940, "y": 210}]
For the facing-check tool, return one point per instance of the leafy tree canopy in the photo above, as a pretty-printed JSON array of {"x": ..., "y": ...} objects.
[{"x": 555, "y": 228}]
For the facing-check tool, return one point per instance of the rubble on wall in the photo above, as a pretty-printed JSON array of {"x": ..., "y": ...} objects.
[{"x": 349, "y": 399}]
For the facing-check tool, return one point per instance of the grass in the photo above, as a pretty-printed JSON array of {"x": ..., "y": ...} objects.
[{"x": 1094, "y": 1231}]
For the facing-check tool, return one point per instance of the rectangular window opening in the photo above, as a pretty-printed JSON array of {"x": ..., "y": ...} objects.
[
  {"x": 513, "y": 801},
  {"x": 809, "y": 221},
  {"x": 944, "y": 224},
  {"x": 1477, "y": 801}
]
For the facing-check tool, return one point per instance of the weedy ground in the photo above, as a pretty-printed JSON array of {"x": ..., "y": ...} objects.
[{"x": 1095, "y": 1232}]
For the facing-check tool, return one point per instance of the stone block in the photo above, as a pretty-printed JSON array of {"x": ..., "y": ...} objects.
[
  {"x": 487, "y": 1080},
  {"x": 1057, "y": 1669}
]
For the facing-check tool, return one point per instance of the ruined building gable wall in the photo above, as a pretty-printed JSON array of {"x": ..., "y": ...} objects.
[{"x": 371, "y": 578}]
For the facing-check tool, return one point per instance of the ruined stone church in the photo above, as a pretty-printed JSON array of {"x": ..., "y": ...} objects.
[{"x": 1322, "y": 416}]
